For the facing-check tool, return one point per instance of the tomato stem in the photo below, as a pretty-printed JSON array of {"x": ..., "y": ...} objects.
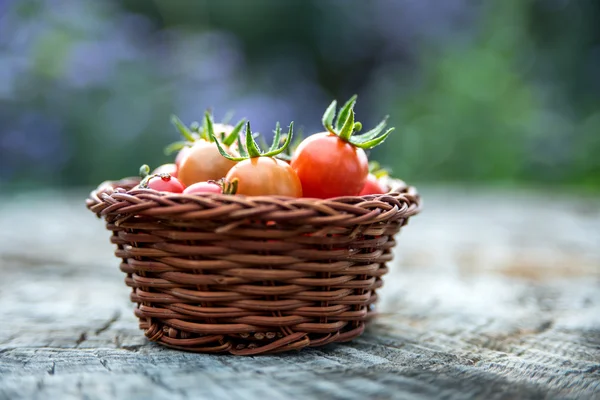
[
  {"x": 289, "y": 151},
  {"x": 235, "y": 133},
  {"x": 251, "y": 146},
  {"x": 144, "y": 171},
  {"x": 226, "y": 186},
  {"x": 208, "y": 133},
  {"x": 344, "y": 111},
  {"x": 195, "y": 126},
  {"x": 175, "y": 146},
  {"x": 241, "y": 148},
  {"x": 203, "y": 132},
  {"x": 276, "y": 137},
  {"x": 346, "y": 126},
  {"x": 185, "y": 132},
  {"x": 232, "y": 186},
  {"x": 252, "y": 149},
  {"x": 329, "y": 116}
]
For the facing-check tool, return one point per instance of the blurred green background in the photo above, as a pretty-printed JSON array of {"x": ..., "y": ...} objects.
[{"x": 494, "y": 92}]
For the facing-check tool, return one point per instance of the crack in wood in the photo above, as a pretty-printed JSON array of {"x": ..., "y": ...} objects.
[
  {"x": 506, "y": 343},
  {"x": 594, "y": 369},
  {"x": 109, "y": 323},
  {"x": 104, "y": 364},
  {"x": 52, "y": 369},
  {"x": 82, "y": 338},
  {"x": 546, "y": 325},
  {"x": 133, "y": 347}
]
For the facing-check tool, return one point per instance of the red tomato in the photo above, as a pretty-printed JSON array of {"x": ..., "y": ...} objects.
[
  {"x": 330, "y": 167},
  {"x": 203, "y": 162},
  {"x": 170, "y": 169},
  {"x": 165, "y": 183},
  {"x": 203, "y": 187},
  {"x": 372, "y": 186},
  {"x": 262, "y": 176}
]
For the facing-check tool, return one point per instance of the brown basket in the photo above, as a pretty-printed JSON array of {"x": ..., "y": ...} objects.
[{"x": 250, "y": 275}]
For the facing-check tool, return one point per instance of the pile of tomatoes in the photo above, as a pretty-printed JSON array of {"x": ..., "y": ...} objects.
[{"x": 218, "y": 158}]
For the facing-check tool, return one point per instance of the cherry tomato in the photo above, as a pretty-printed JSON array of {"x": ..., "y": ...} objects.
[
  {"x": 203, "y": 187},
  {"x": 260, "y": 176},
  {"x": 181, "y": 155},
  {"x": 170, "y": 169},
  {"x": 165, "y": 183},
  {"x": 372, "y": 186},
  {"x": 203, "y": 162},
  {"x": 329, "y": 166}
]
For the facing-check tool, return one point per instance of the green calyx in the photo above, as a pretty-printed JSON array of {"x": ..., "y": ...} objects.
[
  {"x": 345, "y": 126},
  {"x": 286, "y": 155},
  {"x": 146, "y": 176},
  {"x": 250, "y": 149},
  {"x": 226, "y": 186},
  {"x": 206, "y": 131},
  {"x": 144, "y": 171}
]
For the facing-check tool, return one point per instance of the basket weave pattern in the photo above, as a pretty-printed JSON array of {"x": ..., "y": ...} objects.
[{"x": 250, "y": 275}]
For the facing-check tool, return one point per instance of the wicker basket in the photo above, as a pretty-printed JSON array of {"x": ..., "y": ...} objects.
[{"x": 251, "y": 275}]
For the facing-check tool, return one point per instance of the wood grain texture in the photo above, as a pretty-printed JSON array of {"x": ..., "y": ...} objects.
[{"x": 493, "y": 295}]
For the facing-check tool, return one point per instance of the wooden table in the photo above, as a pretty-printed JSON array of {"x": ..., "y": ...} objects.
[{"x": 494, "y": 294}]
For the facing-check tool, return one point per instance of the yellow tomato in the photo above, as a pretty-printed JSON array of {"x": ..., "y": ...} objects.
[
  {"x": 203, "y": 162},
  {"x": 261, "y": 176}
]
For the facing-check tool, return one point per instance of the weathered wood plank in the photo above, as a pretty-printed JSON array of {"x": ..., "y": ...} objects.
[{"x": 494, "y": 295}]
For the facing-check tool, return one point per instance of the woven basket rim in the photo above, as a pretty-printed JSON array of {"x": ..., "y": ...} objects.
[{"x": 107, "y": 190}]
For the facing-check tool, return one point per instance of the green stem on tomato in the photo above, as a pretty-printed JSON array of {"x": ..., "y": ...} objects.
[
  {"x": 144, "y": 171},
  {"x": 241, "y": 148},
  {"x": 345, "y": 112},
  {"x": 195, "y": 127},
  {"x": 231, "y": 187},
  {"x": 235, "y": 133},
  {"x": 208, "y": 133},
  {"x": 146, "y": 176},
  {"x": 328, "y": 116},
  {"x": 289, "y": 151},
  {"x": 252, "y": 150},
  {"x": 346, "y": 126},
  {"x": 202, "y": 132},
  {"x": 251, "y": 146},
  {"x": 175, "y": 146},
  {"x": 185, "y": 132},
  {"x": 276, "y": 137},
  {"x": 226, "y": 186}
]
